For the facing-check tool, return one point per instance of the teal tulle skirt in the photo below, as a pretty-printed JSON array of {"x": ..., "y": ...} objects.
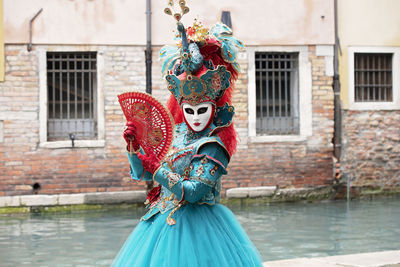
[{"x": 202, "y": 236}]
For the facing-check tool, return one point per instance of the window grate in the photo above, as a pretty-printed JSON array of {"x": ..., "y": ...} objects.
[
  {"x": 277, "y": 93},
  {"x": 71, "y": 87},
  {"x": 373, "y": 77}
]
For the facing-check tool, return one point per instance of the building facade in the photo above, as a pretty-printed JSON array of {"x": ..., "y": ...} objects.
[
  {"x": 61, "y": 124},
  {"x": 370, "y": 92}
]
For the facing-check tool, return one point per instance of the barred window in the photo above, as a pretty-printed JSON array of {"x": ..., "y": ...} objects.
[
  {"x": 373, "y": 77},
  {"x": 71, "y": 91},
  {"x": 277, "y": 87}
]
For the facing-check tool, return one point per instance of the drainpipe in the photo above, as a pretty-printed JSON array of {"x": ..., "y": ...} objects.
[
  {"x": 148, "y": 46},
  {"x": 148, "y": 62},
  {"x": 29, "y": 47},
  {"x": 337, "y": 138}
]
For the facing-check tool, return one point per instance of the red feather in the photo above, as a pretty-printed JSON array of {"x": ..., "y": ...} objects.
[{"x": 175, "y": 109}]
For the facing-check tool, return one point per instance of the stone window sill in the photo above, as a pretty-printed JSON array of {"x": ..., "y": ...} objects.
[
  {"x": 374, "y": 106},
  {"x": 77, "y": 143},
  {"x": 277, "y": 138}
]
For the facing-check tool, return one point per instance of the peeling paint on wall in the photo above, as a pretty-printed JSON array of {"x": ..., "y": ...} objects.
[{"x": 257, "y": 22}]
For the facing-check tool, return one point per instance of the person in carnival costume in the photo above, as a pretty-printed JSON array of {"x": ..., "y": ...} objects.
[{"x": 185, "y": 225}]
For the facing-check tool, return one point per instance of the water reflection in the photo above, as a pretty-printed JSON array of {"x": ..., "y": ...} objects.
[
  {"x": 283, "y": 231},
  {"x": 280, "y": 231},
  {"x": 84, "y": 239}
]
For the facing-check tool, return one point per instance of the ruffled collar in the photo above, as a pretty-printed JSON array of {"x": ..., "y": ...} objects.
[{"x": 192, "y": 135}]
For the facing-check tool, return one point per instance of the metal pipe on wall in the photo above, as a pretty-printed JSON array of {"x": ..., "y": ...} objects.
[
  {"x": 148, "y": 47},
  {"x": 29, "y": 47},
  {"x": 337, "y": 138},
  {"x": 148, "y": 63}
]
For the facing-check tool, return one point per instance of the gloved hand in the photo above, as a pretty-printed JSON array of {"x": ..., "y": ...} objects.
[
  {"x": 150, "y": 162},
  {"x": 130, "y": 137}
]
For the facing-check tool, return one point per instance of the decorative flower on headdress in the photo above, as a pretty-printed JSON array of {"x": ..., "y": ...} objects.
[{"x": 197, "y": 33}]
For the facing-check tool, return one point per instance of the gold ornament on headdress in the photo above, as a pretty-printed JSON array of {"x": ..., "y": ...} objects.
[
  {"x": 171, "y": 11},
  {"x": 197, "y": 32}
]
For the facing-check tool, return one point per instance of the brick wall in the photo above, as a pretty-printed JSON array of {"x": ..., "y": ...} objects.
[
  {"x": 286, "y": 164},
  {"x": 23, "y": 162},
  {"x": 371, "y": 149}
]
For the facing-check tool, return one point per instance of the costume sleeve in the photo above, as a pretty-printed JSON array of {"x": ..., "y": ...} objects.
[
  {"x": 206, "y": 168},
  {"x": 137, "y": 171}
]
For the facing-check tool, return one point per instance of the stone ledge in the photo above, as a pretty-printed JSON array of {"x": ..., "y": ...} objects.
[
  {"x": 74, "y": 199},
  {"x": 273, "y": 193},
  {"x": 68, "y": 144},
  {"x": 295, "y": 194},
  {"x": 291, "y": 192},
  {"x": 115, "y": 197},
  {"x": 38, "y": 200},
  {"x": 71, "y": 199},
  {"x": 10, "y": 201},
  {"x": 252, "y": 192}
]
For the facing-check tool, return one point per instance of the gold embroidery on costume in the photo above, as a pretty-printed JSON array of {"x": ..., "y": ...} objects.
[
  {"x": 173, "y": 178},
  {"x": 203, "y": 180},
  {"x": 170, "y": 220}
]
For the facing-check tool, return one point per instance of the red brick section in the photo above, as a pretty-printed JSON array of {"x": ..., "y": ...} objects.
[
  {"x": 106, "y": 169},
  {"x": 23, "y": 162},
  {"x": 371, "y": 150}
]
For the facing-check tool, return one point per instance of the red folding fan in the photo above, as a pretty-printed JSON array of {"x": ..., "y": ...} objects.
[{"x": 154, "y": 124}]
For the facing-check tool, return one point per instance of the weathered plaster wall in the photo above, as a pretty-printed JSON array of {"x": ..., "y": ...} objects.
[
  {"x": 365, "y": 23},
  {"x": 255, "y": 22}
]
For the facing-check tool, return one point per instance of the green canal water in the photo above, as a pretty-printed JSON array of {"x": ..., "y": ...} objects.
[{"x": 279, "y": 230}]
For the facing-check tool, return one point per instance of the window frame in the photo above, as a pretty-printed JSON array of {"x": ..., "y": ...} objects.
[
  {"x": 376, "y": 105},
  {"x": 291, "y": 103},
  {"x": 305, "y": 94},
  {"x": 43, "y": 100}
]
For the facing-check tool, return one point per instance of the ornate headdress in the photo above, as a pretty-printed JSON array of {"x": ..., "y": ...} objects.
[
  {"x": 199, "y": 68},
  {"x": 194, "y": 90},
  {"x": 202, "y": 68}
]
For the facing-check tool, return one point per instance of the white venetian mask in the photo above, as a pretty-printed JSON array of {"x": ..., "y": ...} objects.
[{"x": 197, "y": 117}]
